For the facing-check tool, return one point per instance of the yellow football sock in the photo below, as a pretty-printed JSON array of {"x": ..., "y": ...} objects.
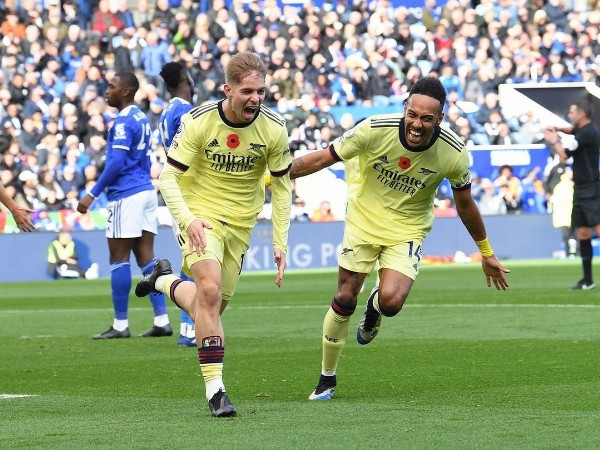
[
  {"x": 167, "y": 282},
  {"x": 211, "y": 371},
  {"x": 335, "y": 331},
  {"x": 211, "y": 366}
]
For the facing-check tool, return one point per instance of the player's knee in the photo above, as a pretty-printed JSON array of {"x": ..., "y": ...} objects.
[
  {"x": 209, "y": 294},
  {"x": 346, "y": 298},
  {"x": 390, "y": 303}
]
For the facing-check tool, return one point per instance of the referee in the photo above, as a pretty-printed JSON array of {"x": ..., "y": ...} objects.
[{"x": 586, "y": 197}]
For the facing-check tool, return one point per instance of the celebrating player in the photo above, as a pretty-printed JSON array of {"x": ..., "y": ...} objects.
[
  {"x": 213, "y": 185},
  {"x": 132, "y": 204},
  {"x": 403, "y": 159}
]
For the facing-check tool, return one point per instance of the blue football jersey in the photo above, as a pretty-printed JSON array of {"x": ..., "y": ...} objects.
[
  {"x": 170, "y": 118},
  {"x": 127, "y": 169}
]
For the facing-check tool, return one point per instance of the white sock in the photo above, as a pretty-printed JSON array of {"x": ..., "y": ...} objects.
[
  {"x": 190, "y": 331},
  {"x": 376, "y": 303},
  {"x": 120, "y": 325},
  {"x": 328, "y": 373},
  {"x": 213, "y": 386},
  {"x": 160, "y": 284},
  {"x": 183, "y": 329},
  {"x": 161, "y": 321}
]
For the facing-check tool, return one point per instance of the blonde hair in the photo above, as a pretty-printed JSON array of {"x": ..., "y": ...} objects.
[{"x": 241, "y": 65}]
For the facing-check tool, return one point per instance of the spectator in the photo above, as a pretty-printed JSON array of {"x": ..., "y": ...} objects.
[
  {"x": 154, "y": 56},
  {"x": 533, "y": 197},
  {"x": 123, "y": 59},
  {"x": 468, "y": 135},
  {"x": 45, "y": 222},
  {"x": 493, "y": 128},
  {"x": 510, "y": 188},
  {"x": 125, "y": 16},
  {"x": 47, "y": 184},
  {"x": 323, "y": 213},
  {"x": 141, "y": 15},
  {"x": 163, "y": 15},
  {"x": 63, "y": 261},
  {"x": 208, "y": 78},
  {"x": 30, "y": 136},
  {"x": 71, "y": 183},
  {"x": 106, "y": 23},
  {"x": 530, "y": 129},
  {"x": 29, "y": 182},
  {"x": 12, "y": 28},
  {"x": 55, "y": 28},
  {"x": 299, "y": 212}
]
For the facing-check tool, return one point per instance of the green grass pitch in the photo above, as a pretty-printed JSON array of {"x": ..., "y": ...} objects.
[{"x": 462, "y": 366}]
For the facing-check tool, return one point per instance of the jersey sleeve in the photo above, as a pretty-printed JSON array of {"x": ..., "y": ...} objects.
[
  {"x": 123, "y": 134},
  {"x": 181, "y": 154},
  {"x": 279, "y": 162},
  {"x": 281, "y": 197},
  {"x": 180, "y": 110},
  {"x": 352, "y": 142},
  {"x": 279, "y": 159},
  {"x": 460, "y": 176}
]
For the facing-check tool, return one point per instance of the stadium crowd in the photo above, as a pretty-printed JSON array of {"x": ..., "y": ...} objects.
[{"x": 56, "y": 57}]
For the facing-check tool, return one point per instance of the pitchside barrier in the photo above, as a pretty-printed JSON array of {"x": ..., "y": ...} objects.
[{"x": 312, "y": 245}]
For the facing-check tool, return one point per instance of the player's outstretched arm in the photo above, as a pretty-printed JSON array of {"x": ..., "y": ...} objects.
[
  {"x": 311, "y": 163},
  {"x": 471, "y": 218}
]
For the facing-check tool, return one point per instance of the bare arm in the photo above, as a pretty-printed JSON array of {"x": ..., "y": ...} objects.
[
  {"x": 471, "y": 218},
  {"x": 469, "y": 214},
  {"x": 311, "y": 163},
  {"x": 567, "y": 130}
]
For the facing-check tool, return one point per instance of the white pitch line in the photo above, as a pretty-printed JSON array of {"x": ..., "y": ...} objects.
[
  {"x": 259, "y": 307},
  {"x": 8, "y": 396},
  {"x": 446, "y": 305}
]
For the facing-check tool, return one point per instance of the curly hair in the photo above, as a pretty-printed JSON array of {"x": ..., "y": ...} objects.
[
  {"x": 171, "y": 74},
  {"x": 431, "y": 87}
]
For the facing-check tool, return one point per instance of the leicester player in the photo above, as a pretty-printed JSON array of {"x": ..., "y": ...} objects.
[
  {"x": 132, "y": 203},
  {"x": 213, "y": 185},
  {"x": 180, "y": 86},
  {"x": 402, "y": 160}
]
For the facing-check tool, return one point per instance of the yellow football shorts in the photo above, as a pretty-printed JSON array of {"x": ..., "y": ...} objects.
[
  {"x": 358, "y": 255},
  {"x": 226, "y": 244}
]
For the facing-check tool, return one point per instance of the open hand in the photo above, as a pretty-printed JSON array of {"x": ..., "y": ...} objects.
[{"x": 494, "y": 271}]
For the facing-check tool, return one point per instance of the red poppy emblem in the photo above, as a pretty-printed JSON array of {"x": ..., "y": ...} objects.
[
  {"x": 233, "y": 140},
  {"x": 404, "y": 162}
]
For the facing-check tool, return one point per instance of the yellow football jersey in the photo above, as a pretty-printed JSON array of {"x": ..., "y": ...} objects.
[
  {"x": 391, "y": 199},
  {"x": 220, "y": 165}
]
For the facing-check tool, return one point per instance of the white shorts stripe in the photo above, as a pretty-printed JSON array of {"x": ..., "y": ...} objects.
[{"x": 128, "y": 217}]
